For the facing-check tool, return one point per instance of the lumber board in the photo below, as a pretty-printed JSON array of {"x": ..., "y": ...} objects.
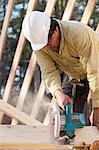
[
  {"x": 88, "y": 11},
  {"x": 5, "y": 25},
  {"x": 25, "y": 85},
  {"x": 17, "y": 114},
  {"x": 38, "y": 99},
  {"x": 38, "y": 138},
  {"x": 49, "y": 6},
  {"x": 68, "y": 10}
]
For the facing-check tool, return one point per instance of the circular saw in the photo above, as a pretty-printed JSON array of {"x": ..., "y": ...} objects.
[{"x": 63, "y": 124}]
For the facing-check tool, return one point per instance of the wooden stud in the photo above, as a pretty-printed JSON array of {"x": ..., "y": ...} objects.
[
  {"x": 38, "y": 99},
  {"x": 25, "y": 85},
  {"x": 88, "y": 11},
  {"x": 50, "y": 5},
  {"x": 69, "y": 9},
  {"x": 5, "y": 26}
]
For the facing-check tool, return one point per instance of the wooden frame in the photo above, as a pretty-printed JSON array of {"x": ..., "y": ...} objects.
[
  {"x": 5, "y": 26},
  {"x": 31, "y": 67}
]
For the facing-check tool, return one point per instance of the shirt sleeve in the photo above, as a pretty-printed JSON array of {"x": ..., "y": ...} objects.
[
  {"x": 88, "y": 53},
  {"x": 50, "y": 72}
]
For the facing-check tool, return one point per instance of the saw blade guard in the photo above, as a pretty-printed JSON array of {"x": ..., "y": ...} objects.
[{"x": 55, "y": 121}]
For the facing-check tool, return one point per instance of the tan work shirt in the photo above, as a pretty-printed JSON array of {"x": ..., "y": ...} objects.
[{"x": 77, "y": 57}]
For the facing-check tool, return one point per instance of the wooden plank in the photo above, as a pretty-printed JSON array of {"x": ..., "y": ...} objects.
[
  {"x": 46, "y": 121},
  {"x": 5, "y": 25},
  {"x": 17, "y": 114},
  {"x": 25, "y": 85},
  {"x": 17, "y": 56},
  {"x": 38, "y": 138},
  {"x": 50, "y": 5},
  {"x": 24, "y": 134},
  {"x": 38, "y": 100},
  {"x": 88, "y": 11},
  {"x": 68, "y": 10},
  {"x": 30, "y": 147}
]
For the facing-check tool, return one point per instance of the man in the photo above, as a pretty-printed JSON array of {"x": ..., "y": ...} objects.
[{"x": 69, "y": 46}]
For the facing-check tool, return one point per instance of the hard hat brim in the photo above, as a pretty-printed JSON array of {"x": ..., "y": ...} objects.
[{"x": 37, "y": 47}]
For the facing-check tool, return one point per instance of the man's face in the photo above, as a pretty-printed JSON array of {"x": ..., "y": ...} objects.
[{"x": 54, "y": 40}]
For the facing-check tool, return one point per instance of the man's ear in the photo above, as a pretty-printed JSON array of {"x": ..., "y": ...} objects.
[{"x": 56, "y": 30}]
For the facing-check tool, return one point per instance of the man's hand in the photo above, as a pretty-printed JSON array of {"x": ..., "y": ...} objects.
[{"x": 62, "y": 99}]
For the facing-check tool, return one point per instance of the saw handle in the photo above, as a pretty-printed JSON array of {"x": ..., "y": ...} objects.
[{"x": 70, "y": 128}]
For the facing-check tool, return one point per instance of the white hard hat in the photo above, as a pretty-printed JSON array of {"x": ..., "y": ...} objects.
[{"x": 36, "y": 27}]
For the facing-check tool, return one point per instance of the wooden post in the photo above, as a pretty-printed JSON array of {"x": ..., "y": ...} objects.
[
  {"x": 17, "y": 56},
  {"x": 38, "y": 100},
  {"x": 50, "y": 5},
  {"x": 69, "y": 9},
  {"x": 25, "y": 85},
  {"x": 5, "y": 26},
  {"x": 88, "y": 11}
]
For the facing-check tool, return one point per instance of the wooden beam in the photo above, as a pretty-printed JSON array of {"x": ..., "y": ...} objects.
[
  {"x": 5, "y": 25},
  {"x": 68, "y": 10},
  {"x": 25, "y": 85},
  {"x": 17, "y": 114},
  {"x": 50, "y": 5},
  {"x": 17, "y": 56},
  {"x": 38, "y": 100},
  {"x": 32, "y": 138},
  {"x": 88, "y": 11}
]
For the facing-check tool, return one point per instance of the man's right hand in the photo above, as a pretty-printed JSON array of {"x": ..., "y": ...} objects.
[{"x": 62, "y": 99}]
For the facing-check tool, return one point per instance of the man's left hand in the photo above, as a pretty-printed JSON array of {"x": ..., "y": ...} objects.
[{"x": 96, "y": 117}]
